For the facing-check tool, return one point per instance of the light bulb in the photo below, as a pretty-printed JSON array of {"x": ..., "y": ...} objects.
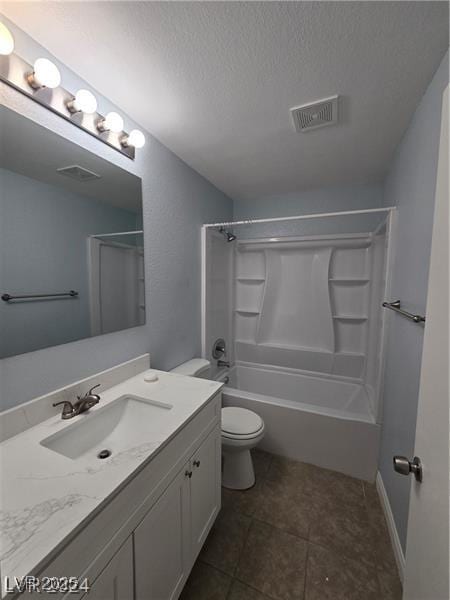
[
  {"x": 84, "y": 101},
  {"x": 135, "y": 138},
  {"x": 112, "y": 122},
  {"x": 45, "y": 74},
  {"x": 6, "y": 40}
]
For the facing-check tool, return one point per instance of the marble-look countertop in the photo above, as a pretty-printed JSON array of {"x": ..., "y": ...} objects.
[{"x": 46, "y": 496}]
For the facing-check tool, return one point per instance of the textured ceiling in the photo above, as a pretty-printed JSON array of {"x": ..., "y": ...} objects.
[{"x": 214, "y": 81}]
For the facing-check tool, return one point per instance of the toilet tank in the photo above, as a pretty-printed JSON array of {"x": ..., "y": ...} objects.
[{"x": 196, "y": 367}]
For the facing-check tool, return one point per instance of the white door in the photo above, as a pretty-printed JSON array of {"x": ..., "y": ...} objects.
[
  {"x": 205, "y": 490},
  {"x": 115, "y": 582},
  {"x": 427, "y": 549},
  {"x": 116, "y": 286},
  {"x": 162, "y": 546}
]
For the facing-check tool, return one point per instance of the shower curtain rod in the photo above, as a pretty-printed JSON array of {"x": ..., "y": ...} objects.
[
  {"x": 97, "y": 235},
  {"x": 298, "y": 217}
]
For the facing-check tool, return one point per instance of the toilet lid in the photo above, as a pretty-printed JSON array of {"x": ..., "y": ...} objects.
[{"x": 240, "y": 421}]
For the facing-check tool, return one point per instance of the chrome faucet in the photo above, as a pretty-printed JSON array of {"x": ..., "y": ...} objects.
[
  {"x": 223, "y": 363},
  {"x": 82, "y": 404}
]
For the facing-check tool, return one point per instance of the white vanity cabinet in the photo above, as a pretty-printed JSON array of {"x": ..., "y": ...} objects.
[
  {"x": 169, "y": 538},
  {"x": 144, "y": 541},
  {"x": 205, "y": 488},
  {"x": 162, "y": 544},
  {"x": 116, "y": 581}
]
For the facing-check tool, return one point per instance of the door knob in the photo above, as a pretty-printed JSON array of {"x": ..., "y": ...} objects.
[{"x": 403, "y": 466}]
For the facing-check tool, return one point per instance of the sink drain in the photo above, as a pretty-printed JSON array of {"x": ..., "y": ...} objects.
[{"x": 104, "y": 454}]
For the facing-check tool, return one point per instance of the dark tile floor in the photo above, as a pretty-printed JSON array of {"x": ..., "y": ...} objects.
[{"x": 301, "y": 533}]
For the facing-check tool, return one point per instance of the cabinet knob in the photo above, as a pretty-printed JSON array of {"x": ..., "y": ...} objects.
[
  {"x": 196, "y": 463},
  {"x": 188, "y": 474}
]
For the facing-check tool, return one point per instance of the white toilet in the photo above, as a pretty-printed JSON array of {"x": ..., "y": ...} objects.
[{"x": 242, "y": 430}]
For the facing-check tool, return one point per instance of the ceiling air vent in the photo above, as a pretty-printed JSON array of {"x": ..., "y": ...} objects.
[
  {"x": 78, "y": 173},
  {"x": 315, "y": 114}
]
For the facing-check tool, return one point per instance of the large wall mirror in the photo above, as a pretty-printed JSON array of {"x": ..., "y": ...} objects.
[{"x": 71, "y": 241}]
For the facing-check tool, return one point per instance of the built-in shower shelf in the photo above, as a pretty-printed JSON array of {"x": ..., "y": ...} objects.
[
  {"x": 349, "y": 280},
  {"x": 296, "y": 348},
  {"x": 350, "y": 318},
  {"x": 246, "y": 311},
  {"x": 251, "y": 279}
]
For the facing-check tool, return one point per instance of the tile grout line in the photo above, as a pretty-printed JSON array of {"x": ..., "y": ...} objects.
[
  {"x": 251, "y": 587},
  {"x": 262, "y": 477},
  {"x": 306, "y": 571},
  {"x": 234, "y": 577},
  {"x": 244, "y": 541}
]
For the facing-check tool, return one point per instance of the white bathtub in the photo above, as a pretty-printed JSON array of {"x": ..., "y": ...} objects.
[{"x": 325, "y": 421}]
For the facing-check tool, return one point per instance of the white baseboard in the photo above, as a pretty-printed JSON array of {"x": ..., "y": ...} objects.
[{"x": 396, "y": 545}]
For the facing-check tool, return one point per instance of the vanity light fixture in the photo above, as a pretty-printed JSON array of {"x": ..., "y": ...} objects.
[
  {"x": 45, "y": 74},
  {"x": 79, "y": 108},
  {"x": 84, "y": 101},
  {"x": 112, "y": 122},
  {"x": 6, "y": 40},
  {"x": 135, "y": 138}
]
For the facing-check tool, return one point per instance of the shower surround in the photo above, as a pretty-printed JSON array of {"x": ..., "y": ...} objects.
[{"x": 302, "y": 318}]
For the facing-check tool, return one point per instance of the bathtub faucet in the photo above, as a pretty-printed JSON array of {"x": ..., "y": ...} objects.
[{"x": 223, "y": 363}]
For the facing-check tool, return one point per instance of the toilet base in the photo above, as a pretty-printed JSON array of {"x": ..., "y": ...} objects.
[{"x": 238, "y": 472}]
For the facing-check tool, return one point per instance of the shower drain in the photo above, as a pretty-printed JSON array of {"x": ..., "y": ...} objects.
[{"x": 104, "y": 453}]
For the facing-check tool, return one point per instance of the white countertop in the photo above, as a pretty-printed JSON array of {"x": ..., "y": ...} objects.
[{"x": 45, "y": 496}]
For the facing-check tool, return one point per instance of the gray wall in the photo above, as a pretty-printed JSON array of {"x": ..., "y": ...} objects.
[
  {"x": 176, "y": 201},
  {"x": 322, "y": 200},
  {"x": 326, "y": 199},
  {"x": 410, "y": 185}
]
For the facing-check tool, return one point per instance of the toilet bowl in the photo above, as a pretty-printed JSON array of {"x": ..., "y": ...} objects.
[{"x": 242, "y": 430}]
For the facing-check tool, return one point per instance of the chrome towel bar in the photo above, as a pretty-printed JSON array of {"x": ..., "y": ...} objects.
[
  {"x": 8, "y": 297},
  {"x": 396, "y": 306}
]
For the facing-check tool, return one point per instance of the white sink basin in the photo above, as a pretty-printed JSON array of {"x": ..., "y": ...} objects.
[{"x": 124, "y": 423}]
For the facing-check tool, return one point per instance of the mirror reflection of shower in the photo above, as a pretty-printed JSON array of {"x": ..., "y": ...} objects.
[
  {"x": 117, "y": 285},
  {"x": 229, "y": 235}
]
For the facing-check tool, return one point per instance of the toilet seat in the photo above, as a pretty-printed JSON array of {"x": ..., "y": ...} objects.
[
  {"x": 250, "y": 436},
  {"x": 240, "y": 423}
]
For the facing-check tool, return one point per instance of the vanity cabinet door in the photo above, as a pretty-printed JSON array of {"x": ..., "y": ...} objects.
[
  {"x": 162, "y": 544},
  {"x": 116, "y": 580},
  {"x": 205, "y": 489}
]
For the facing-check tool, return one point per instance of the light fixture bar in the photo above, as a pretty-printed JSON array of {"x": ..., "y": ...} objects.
[{"x": 14, "y": 71}]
